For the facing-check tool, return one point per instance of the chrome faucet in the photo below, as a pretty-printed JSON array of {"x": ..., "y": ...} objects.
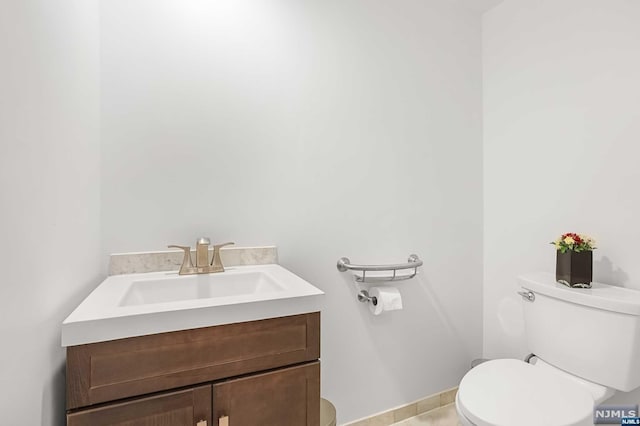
[{"x": 202, "y": 258}]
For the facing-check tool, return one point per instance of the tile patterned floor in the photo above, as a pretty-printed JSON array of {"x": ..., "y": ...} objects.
[{"x": 444, "y": 416}]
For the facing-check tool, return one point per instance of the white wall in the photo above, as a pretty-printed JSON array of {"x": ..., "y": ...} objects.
[
  {"x": 329, "y": 128},
  {"x": 49, "y": 193},
  {"x": 561, "y": 128},
  {"x": 247, "y": 123}
]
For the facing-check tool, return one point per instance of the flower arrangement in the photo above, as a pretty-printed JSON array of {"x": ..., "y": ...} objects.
[{"x": 574, "y": 242}]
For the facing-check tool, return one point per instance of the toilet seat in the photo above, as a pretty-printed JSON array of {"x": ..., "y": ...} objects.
[{"x": 508, "y": 392}]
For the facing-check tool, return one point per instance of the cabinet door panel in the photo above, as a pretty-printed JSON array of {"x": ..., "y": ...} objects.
[
  {"x": 117, "y": 369},
  {"x": 182, "y": 408},
  {"x": 285, "y": 397}
]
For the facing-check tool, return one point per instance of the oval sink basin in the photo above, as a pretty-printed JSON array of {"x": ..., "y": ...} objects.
[{"x": 157, "y": 302}]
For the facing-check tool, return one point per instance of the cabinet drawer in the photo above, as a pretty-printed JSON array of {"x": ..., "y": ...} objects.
[
  {"x": 106, "y": 371},
  {"x": 284, "y": 397},
  {"x": 183, "y": 408}
]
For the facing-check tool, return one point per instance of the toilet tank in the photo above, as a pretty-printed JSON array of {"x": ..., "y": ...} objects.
[{"x": 591, "y": 333}]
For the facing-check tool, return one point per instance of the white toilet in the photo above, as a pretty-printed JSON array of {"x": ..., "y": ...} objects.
[{"x": 587, "y": 346}]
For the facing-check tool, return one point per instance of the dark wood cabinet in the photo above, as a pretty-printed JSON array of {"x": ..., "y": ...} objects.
[
  {"x": 183, "y": 408},
  {"x": 285, "y": 397},
  {"x": 253, "y": 373}
]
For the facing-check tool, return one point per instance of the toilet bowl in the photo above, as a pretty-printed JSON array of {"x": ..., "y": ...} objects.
[
  {"x": 509, "y": 392},
  {"x": 572, "y": 372}
]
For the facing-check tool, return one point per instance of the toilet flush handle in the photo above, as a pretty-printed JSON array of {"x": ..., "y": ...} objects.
[{"x": 527, "y": 295}]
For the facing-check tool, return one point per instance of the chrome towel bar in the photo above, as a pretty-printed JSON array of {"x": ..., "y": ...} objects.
[{"x": 414, "y": 262}]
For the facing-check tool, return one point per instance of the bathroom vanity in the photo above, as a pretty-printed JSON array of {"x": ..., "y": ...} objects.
[
  {"x": 238, "y": 348},
  {"x": 262, "y": 372}
]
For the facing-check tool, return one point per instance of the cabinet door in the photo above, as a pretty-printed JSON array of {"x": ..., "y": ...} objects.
[
  {"x": 190, "y": 407},
  {"x": 285, "y": 397}
]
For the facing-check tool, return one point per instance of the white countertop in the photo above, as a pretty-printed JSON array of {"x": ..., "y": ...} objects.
[{"x": 103, "y": 315}]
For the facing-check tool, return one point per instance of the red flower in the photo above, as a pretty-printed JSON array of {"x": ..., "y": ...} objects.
[{"x": 572, "y": 241}]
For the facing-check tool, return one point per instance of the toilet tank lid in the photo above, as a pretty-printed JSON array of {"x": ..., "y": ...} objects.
[{"x": 600, "y": 296}]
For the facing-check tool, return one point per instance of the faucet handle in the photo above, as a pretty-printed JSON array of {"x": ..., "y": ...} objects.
[
  {"x": 218, "y": 246},
  {"x": 216, "y": 262},
  {"x": 186, "y": 260}
]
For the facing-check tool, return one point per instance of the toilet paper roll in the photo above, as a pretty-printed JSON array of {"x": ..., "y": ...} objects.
[{"x": 388, "y": 299}]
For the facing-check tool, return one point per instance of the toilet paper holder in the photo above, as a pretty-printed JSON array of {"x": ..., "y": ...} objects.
[{"x": 363, "y": 296}]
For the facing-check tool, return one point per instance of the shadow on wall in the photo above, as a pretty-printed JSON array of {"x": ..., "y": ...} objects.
[
  {"x": 440, "y": 311},
  {"x": 53, "y": 398},
  {"x": 605, "y": 271},
  {"x": 53, "y": 403},
  {"x": 424, "y": 334},
  {"x": 421, "y": 295}
]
